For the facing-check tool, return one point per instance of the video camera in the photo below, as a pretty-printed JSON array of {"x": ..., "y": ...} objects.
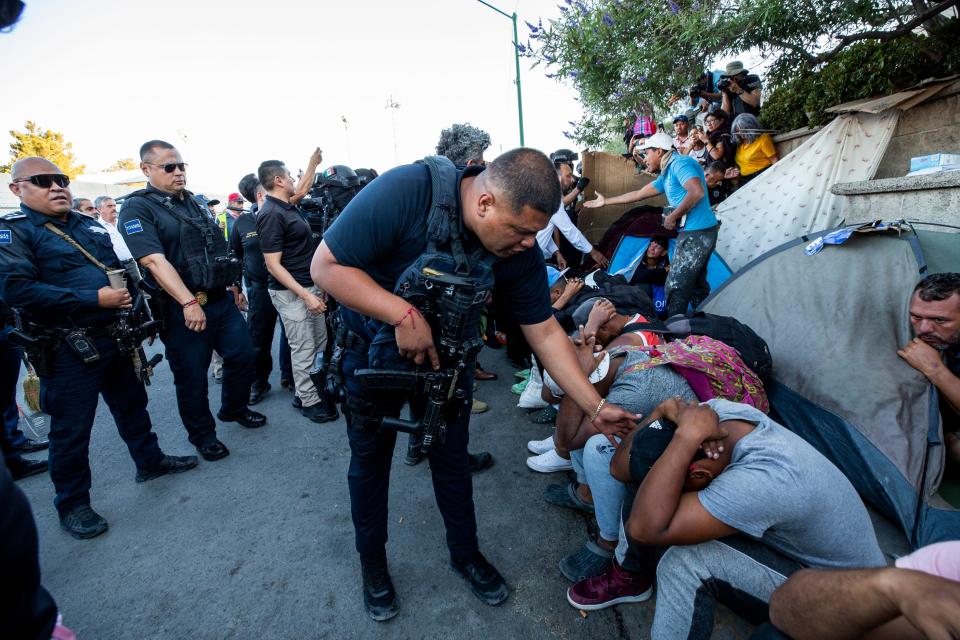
[{"x": 330, "y": 192}]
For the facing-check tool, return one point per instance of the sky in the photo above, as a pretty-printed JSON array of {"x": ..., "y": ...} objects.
[{"x": 233, "y": 83}]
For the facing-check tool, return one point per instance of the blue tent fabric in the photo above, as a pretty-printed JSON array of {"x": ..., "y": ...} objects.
[
  {"x": 630, "y": 251},
  {"x": 834, "y": 321}
]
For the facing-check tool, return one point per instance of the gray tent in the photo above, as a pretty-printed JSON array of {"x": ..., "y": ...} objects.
[{"x": 834, "y": 321}]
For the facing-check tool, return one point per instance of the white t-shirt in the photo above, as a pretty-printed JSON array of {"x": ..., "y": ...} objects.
[
  {"x": 119, "y": 245},
  {"x": 560, "y": 220}
]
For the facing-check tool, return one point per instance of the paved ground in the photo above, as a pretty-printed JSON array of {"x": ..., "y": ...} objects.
[{"x": 260, "y": 544}]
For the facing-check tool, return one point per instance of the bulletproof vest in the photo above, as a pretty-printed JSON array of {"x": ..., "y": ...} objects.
[
  {"x": 205, "y": 263},
  {"x": 448, "y": 285}
]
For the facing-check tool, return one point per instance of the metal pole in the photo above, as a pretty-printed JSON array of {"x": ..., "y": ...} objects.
[{"x": 516, "y": 58}]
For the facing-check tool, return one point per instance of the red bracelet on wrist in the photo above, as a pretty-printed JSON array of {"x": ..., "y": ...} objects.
[
  {"x": 408, "y": 312},
  {"x": 189, "y": 303}
]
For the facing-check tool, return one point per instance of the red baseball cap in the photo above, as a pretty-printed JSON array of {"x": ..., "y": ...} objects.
[{"x": 235, "y": 197}]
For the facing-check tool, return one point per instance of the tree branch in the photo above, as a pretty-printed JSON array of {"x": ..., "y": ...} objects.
[
  {"x": 806, "y": 55},
  {"x": 903, "y": 29}
]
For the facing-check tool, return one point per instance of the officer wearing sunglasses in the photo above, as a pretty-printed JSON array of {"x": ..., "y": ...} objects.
[
  {"x": 186, "y": 254},
  {"x": 70, "y": 298}
]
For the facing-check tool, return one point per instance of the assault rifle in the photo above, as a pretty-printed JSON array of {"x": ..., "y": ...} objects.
[
  {"x": 452, "y": 305},
  {"x": 133, "y": 326}
]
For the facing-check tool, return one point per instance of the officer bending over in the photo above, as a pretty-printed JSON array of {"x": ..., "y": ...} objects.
[
  {"x": 74, "y": 308},
  {"x": 185, "y": 253},
  {"x": 490, "y": 217}
]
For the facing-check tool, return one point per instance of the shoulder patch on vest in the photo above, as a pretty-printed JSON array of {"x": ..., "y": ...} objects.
[
  {"x": 133, "y": 226},
  {"x": 6, "y": 236}
]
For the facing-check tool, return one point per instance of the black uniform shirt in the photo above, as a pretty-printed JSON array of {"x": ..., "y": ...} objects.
[
  {"x": 283, "y": 229},
  {"x": 245, "y": 245},
  {"x": 149, "y": 228},
  {"x": 384, "y": 230},
  {"x": 45, "y": 275}
]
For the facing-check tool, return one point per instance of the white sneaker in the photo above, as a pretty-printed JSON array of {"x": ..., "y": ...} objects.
[
  {"x": 540, "y": 446},
  {"x": 548, "y": 462}
]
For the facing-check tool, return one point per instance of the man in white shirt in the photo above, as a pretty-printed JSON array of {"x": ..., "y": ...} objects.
[
  {"x": 107, "y": 208},
  {"x": 560, "y": 223}
]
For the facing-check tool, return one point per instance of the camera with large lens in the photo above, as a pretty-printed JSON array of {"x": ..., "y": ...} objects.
[
  {"x": 332, "y": 189},
  {"x": 724, "y": 84}
]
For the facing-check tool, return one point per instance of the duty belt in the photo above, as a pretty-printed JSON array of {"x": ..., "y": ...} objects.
[{"x": 203, "y": 297}]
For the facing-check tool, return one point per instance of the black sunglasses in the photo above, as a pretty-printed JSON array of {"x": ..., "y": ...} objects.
[
  {"x": 46, "y": 180},
  {"x": 169, "y": 167}
]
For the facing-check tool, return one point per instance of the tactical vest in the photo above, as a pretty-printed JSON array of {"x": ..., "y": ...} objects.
[
  {"x": 205, "y": 263},
  {"x": 448, "y": 285}
]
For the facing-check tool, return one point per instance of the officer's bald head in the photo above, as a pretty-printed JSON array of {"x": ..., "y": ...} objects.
[
  {"x": 26, "y": 167},
  {"x": 149, "y": 149},
  {"x": 53, "y": 200}
]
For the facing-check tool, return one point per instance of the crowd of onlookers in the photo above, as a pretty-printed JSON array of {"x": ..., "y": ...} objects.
[{"x": 718, "y": 126}]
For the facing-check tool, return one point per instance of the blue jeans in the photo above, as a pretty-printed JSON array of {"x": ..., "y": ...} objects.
[
  {"x": 189, "y": 354},
  {"x": 371, "y": 450},
  {"x": 592, "y": 464},
  {"x": 70, "y": 395}
]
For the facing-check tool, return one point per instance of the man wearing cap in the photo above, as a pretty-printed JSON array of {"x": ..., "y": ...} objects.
[
  {"x": 561, "y": 224},
  {"x": 207, "y": 204},
  {"x": 229, "y": 216},
  {"x": 742, "y": 94},
  {"x": 681, "y": 125},
  {"x": 683, "y": 183}
]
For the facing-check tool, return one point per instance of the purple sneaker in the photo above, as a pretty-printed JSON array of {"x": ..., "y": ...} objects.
[{"x": 615, "y": 586}]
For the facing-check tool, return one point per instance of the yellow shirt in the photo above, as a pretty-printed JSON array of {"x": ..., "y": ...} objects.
[{"x": 755, "y": 156}]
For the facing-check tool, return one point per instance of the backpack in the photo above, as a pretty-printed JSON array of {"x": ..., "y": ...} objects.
[{"x": 730, "y": 331}]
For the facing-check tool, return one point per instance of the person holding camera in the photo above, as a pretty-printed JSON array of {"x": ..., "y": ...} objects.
[
  {"x": 741, "y": 91},
  {"x": 288, "y": 244},
  {"x": 185, "y": 254},
  {"x": 55, "y": 265},
  {"x": 561, "y": 225},
  {"x": 489, "y": 217}
]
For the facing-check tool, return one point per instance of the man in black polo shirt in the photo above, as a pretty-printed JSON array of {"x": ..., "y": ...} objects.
[
  {"x": 167, "y": 232},
  {"x": 288, "y": 245},
  {"x": 375, "y": 239}
]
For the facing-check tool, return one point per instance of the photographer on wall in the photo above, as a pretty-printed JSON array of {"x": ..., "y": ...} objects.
[{"x": 741, "y": 91}]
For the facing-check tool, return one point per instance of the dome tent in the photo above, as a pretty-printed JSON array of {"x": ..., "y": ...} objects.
[{"x": 834, "y": 321}]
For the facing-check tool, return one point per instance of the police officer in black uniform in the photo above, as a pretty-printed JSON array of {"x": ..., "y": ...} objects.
[
  {"x": 261, "y": 314},
  {"x": 493, "y": 214},
  {"x": 69, "y": 298},
  {"x": 186, "y": 254}
]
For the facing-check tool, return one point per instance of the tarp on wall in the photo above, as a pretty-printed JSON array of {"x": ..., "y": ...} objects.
[{"x": 793, "y": 196}]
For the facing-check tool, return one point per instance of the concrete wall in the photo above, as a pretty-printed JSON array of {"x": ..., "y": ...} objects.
[
  {"x": 931, "y": 127},
  {"x": 932, "y": 198}
]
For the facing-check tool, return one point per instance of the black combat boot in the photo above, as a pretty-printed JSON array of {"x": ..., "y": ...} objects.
[{"x": 378, "y": 594}]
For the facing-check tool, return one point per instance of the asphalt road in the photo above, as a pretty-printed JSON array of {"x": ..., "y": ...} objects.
[{"x": 260, "y": 544}]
